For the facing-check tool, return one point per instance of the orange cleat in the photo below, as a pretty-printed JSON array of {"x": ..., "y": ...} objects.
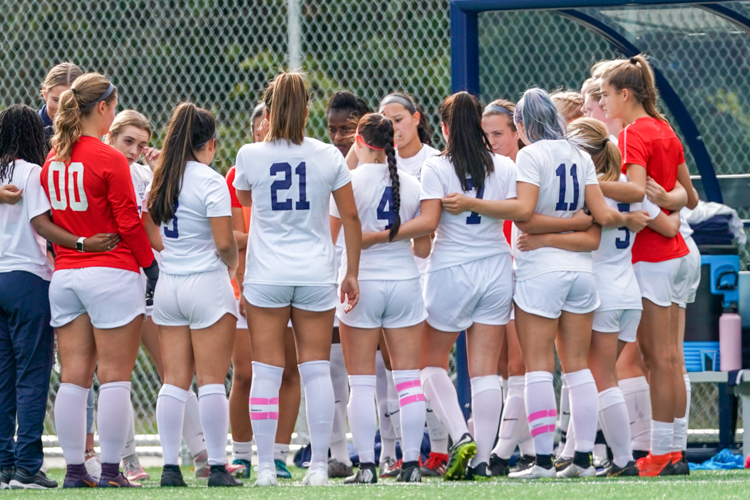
[
  {"x": 656, "y": 465},
  {"x": 675, "y": 457}
]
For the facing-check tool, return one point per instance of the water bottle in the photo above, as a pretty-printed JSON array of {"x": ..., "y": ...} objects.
[{"x": 730, "y": 339}]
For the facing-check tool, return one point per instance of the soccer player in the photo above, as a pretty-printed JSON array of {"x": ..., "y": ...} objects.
[{"x": 58, "y": 80}]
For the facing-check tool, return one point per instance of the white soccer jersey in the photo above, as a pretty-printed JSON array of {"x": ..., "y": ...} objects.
[
  {"x": 21, "y": 249},
  {"x": 685, "y": 230},
  {"x": 562, "y": 173},
  {"x": 290, "y": 233},
  {"x": 188, "y": 240},
  {"x": 142, "y": 177},
  {"x": 613, "y": 268},
  {"x": 413, "y": 165},
  {"x": 468, "y": 236},
  {"x": 374, "y": 197}
]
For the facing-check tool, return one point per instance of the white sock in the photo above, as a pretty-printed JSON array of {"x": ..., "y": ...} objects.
[
  {"x": 569, "y": 449},
  {"x": 437, "y": 431},
  {"x": 129, "y": 448},
  {"x": 387, "y": 434},
  {"x": 503, "y": 387},
  {"x": 514, "y": 421},
  {"x": 70, "y": 422},
  {"x": 280, "y": 451},
  {"x": 443, "y": 399},
  {"x": 319, "y": 399},
  {"x": 339, "y": 449},
  {"x": 680, "y": 434},
  {"x": 541, "y": 409},
  {"x": 113, "y": 419},
  {"x": 613, "y": 415},
  {"x": 661, "y": 437},
  {"x": 526, "y": 446},
  {"x": 214, "y": 409},
  {"x": 487, "y": 406},
  {"x": 564, "y": 417},
  {"x": 264, "y": 409},
  {"x": 170, "y": 413},
  {"x": 362, "y": 415},
  {"x": 192, "y": 430},
  {"x": 584, "y": 408},
  {"x": 638, "y": 400},
  {"x": 242, "y": 450},
  {"x": 689, "y": 391},
  {"x": 393, "y": 407},
  {"x": 412, "y": 402}
]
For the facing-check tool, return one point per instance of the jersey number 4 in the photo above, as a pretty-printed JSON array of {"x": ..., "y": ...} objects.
[
  {"x": 286, "y": 183},
  {"x": 385, "y": 207},
  {"x": 60, "y": 200},
  {"x": 561, "y": 172}
]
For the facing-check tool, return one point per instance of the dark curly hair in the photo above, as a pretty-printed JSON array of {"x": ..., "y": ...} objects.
[
  {"x": 21, "y": 137},
  {"x": 347, "y": 102}
]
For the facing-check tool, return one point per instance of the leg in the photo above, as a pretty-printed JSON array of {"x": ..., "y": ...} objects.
[
  {"x": 685, "y": 377},
  {"x": 634, "y": 385},
  {"x": 340, "y": 463},
  {"x": 290, "y": 395},
  {"x": 387, "y": 433},
  {"x": 7, "y": 391},
  {"x": 239, "y": 396},
  {"x": 678, "y": 365},
  {"x": 150, "y": 340}
]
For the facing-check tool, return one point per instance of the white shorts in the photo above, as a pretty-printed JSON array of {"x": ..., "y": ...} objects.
[
  {"x": 195, "y": 300},
  {"x": 549, "y": 294},
  {"x": 308, "y": 298},
  {"x": 690, "y": 276},
  {"x": 658, "y": 280},
  {"x": 241, "y": 320},
  {"x": 477, "y": 292},
  {"x": 624, "y": 322},
  {"x": 111, "y": 297},
  {"x": 387, "y": 304}
]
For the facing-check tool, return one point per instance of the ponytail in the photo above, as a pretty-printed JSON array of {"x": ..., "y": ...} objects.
[
  {"x": 189, "y": 130},
  {"x": 591, "y": 136},
  {"x": 468, "y": 147},
  {"x": 636, "y": 75},
  {"x": 286, "y": 98}
]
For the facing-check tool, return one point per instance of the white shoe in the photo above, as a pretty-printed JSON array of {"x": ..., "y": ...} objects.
[
  {"x": 574, "y": 470},
  {"x": 94, "y": 466},
  {"x": 266, "y": 476},
  {"x": 533, "y": 472},
  {"x": 317, "y": 475}
]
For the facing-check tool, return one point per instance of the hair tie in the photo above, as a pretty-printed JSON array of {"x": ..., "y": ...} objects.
[
  {"x": 494, "y": 108},
  {"x": 395, "y": 98},
  {"x": 604, "y": 142},
  {"x": 633, "y": 61},
  {"x": 357, "y": 136}
]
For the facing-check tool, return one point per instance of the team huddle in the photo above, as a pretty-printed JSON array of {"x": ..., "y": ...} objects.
[{"x": 547, "y": 227}]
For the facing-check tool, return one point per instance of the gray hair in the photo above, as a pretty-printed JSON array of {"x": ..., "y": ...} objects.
[{"x": 539, "y": 116}]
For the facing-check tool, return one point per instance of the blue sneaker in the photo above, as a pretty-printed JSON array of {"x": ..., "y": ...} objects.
[
  {"x": 281, "y": 470},
  {"x": 239, "y": 471}
]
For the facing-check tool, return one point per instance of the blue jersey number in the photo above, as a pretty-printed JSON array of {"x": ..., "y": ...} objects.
[
  {"x": 561, "y": 172},
  {"x": 286, "y": 183},
  {"x": 174, "y": 231},
  {"x": 623, "y": 243},
  {"x": 474, "y": 218},
  {"x": 385, "y": 208}
]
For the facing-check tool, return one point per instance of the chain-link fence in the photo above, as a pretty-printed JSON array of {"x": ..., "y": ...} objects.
[{"x": 221, "y": 54}]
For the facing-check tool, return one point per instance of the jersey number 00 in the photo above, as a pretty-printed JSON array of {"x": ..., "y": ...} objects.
[{"x": 60, "y": 200}]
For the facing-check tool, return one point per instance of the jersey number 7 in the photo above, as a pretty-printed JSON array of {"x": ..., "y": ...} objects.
[
  {"x": 474, "y": 218},
  {"x": 286, "y": 183}
]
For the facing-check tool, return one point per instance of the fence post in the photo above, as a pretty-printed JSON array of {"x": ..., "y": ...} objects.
[{"x": 294, "y": 34}]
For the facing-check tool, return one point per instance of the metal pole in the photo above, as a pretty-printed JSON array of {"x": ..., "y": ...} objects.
[{"x": 294, "y": 34}]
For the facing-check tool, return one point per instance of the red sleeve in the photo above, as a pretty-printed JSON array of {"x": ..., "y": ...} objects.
[
  {"x": 634, "y": 148},
  {"x": 507, "y": 229},
  {"x": 121, "y": 198},
  {"x": 232, "y": 191}
]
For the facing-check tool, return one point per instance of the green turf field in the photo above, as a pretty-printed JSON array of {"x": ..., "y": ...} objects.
[{"x": 700, "y": 486}]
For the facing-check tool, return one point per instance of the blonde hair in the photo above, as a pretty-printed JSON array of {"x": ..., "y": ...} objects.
[
  {"x": 63, "y": 74},
  {"x": 591, "y": 136},
  {"x": 592, "y": 87},
  {"x": 636, "y": 75},
  {"x": 598, "y": 69},
  {"x": 569, "y": 103},
  {"x": 76, "y": 103},
  {"x": 286, "y": 98},
  {"x": 130, "y": 118}
]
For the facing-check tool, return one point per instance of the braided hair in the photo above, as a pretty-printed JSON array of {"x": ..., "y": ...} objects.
[
  {"x": 377, "y": 132},
  {"x": 21, "y": 137}
]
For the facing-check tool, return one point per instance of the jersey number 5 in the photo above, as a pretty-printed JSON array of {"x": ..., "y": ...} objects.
[
  {"x": 622, "y": 244},
  {"x": 59, "y": 200},
  {"x": 561, "y": 173},
  {"x": 286, "y": 183}
]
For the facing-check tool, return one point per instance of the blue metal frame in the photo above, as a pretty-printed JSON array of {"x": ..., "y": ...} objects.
[
  {"x": 728, "y": 14},
  {"x": 485, "y": 5}
]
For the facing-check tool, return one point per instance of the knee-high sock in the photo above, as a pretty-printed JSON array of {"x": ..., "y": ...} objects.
[
  {"x": 192, "y": 430},
  {"x": 170, "y": 413},
  {"x": 70, "y": 422},
  {"x": 613, "y": 415},
  {"x": 319, "y": 399},
  {"x": 264, "y": 410},
  {"x": 393, "y": 407},
  {"x": 487, "y": 406},
  {"x": 569, "y": 449},
  {"x": 514, "y": 422},
  {"x": 387, "y": 433},
  {"x": 112, "y": 420},
  {"x": 443, "y": 399},
  {"x": 541, "y": 409},
  {"x": 339, "y": 449},
  {"x": 638, "y": 400},
  {"x": 689, "y": 391},
  {"x": 437, "y": 431},
  {"x": 362, "y": 415},
  {"x": 584, "y": 408},
  {"x": 662, "y": 434},
  {"x": 129, "y": 448},
  {"x": 680, "y": 434},
  {"x": 214, "y": 409},
  {"x": 564, "y": 417},
  {"x": 412, "y": 402}
]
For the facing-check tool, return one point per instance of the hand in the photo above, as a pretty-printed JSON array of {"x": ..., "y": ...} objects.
[
  {"x": 636, "y": 221},
  {"x": 527, "y": 242},
  {"x": 656, "y": 193},
  {"x": 582, "y": 220},
  {"x": 151, "y": 155},
  {"x": 102, "y": 242},
  {"x": 10, "y": 194},
  {"x": 349, "y": 292},
  {"x": 243, "y": 313},
  {"x": 457, "y": 203},
  {"x": 152, "y": 276}
]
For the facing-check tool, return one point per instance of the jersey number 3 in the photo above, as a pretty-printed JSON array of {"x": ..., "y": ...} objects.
[
  {"x": 286, "y": 183},
  {"x": 623, "y": 243},
  {"x": 60, "y": 200}
]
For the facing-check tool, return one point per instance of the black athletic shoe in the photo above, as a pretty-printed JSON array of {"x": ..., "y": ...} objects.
[
  {"x": 498, "y": 466},
  {"x": 219, "y": 476},
  {"x": 409, "y": 473},
  {"x": 681, "y": 467},
  {"x": 22, "y": 480},
  {"x": 481, "y": 472},
  {"x": 5, "y": 477},
  {"x": 366, "y": 474},
  {"x": 524, "y": 462},
  {"x": 77, "y": 477},
  {"x": 562, "y": 463},
  {"x": 669, "y": 470},
  {"x": 171, "y": 476},
  {"x": 630, "y": 470}
]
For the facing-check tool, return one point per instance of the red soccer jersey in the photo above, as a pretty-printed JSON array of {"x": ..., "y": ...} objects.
[
  {"x": 94, "y": 194},
  {"x": 653, "y": 144}
]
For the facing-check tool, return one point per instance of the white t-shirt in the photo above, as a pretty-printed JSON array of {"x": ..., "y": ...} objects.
[
  {"x": 21, "y": 249},
  {"x": 562, "y": 173},
  {"x": 290, "y": 232},
  {"x": 613, "y": 268},
  {"x": 413, "y": 165},
  {"x": 142, "y": 177},
  {"x": 188, "y": 239},
  {"x": 468, "y": 236},
  {"x": 685, "y": 230},
  {"x": 374, "y": 198}
]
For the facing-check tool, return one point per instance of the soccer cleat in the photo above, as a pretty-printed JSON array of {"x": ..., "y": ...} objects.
[
  {"x": 523, "y": 463},
  {"x": 680, "y": 464},
  {"x": 574, "y": 470},
  {"x": 202, "y": 469},
  {"x": 238, "y": 469},
  {"x": 639, "y": 454},
  {"x": 365, "y": 475},
  {"x": 630, "y": 470},
  {"x": 77, "y": 477},
  {"x": 389, "y": 467},
  {"x": 317, "y": 475},
  {"x": 562, "y": 463},
  {"x": 339, "y": 469},
  {"x": 219, "y": 476},
  {"x": 118, "y": 481},
  {"x": 481, "y": 472},
  {"x": 6, "y": 475},
  {"x": 171, "y": 477},
  {"x": 133, "y": 471},
  {"x": 409, "y": 473},
  {"x": 498, "y": 466},
  {"x": 459, "y": 456},
  {"x": 22, "y": 480},
  {"x": 655, "y": 465},
  {"x": 266, "y": 476},
  {"x": 247, "y": 468},
  {"x": 534, "y": 472},
  {"x": 281, "y": 470},
  {"x": 435, "y": 465},
  {"x": 93, "y": 464}
]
